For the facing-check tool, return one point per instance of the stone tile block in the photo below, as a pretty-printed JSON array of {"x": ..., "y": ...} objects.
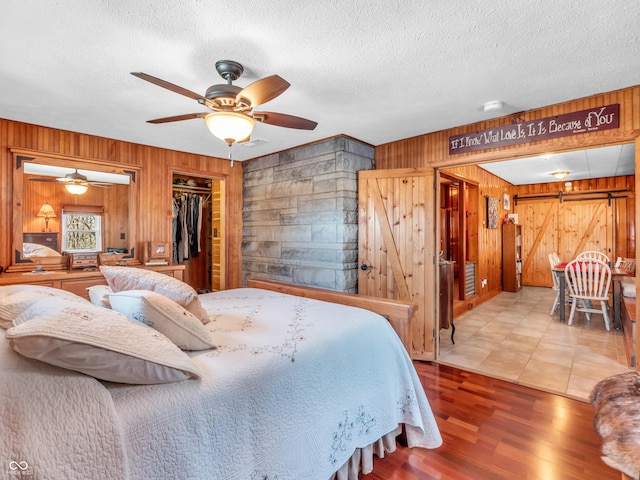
[
  {"x": 324, "y": 232},
  {"x": 315, "y": 277},
  {"x": 288, "y": 233}
]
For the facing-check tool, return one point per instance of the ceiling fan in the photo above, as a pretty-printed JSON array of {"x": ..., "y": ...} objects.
[
  {"x": 75, "y": 182},
  {"x": 233, "y": 117}
]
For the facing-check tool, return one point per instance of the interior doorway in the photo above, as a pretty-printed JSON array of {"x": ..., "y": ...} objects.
[
  {"x": 566, "y": 222},
  {"x": 458, "y": 242}
]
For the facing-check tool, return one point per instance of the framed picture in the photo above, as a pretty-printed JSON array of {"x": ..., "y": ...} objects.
[
  {"x": 156, "y": 253},
  {"x": 506, "y": 201},
  {"x": 492, "y": 212}
]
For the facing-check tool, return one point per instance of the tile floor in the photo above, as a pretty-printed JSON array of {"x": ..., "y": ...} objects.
[{"x": 513, "y": 337}]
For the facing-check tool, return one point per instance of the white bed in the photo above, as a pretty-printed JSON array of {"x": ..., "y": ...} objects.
[{"x": 296, "y": 389}]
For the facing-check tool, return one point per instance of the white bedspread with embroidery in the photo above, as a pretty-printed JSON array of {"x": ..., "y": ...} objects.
[{"x": 294, "y": 387}]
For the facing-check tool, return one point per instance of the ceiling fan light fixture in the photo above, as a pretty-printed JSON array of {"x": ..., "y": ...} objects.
[
  {"x": 230, "y": 127},
  {"x": 76, "y": 188},
  {"x": 560, "y": 175}
]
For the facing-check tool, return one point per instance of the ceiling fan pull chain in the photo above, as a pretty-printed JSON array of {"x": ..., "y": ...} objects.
[{"x": 230, "y": 156}]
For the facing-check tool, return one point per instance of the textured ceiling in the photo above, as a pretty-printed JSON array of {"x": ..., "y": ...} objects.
[
  {"x": 376, "y": 71},
  {"x": 601, "y": 162}
]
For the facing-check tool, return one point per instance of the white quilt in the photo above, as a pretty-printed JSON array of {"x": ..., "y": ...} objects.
[
  {"x": 55, "y": 423},
  {"x": 293, "y": 388}
]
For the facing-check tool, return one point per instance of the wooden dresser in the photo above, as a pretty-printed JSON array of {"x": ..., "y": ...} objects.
[{"x": 77, "y": 281}]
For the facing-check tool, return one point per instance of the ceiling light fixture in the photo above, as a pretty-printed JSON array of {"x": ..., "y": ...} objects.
[
  {"x": 493, "y": 106},
  {"x": 76, "y": 188},
  {"x": 230, "y": 127},
  {"x": 560, "y": 175}
]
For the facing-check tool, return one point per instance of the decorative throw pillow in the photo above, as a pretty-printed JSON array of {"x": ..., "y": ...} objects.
[
  {"x": 165, "y": 315},
  {"x": 15, "y": 299},
  {"x": 99, "y": 342},
  {"x": 99, "y": 295},
  {"x": 130, "y": 278}
]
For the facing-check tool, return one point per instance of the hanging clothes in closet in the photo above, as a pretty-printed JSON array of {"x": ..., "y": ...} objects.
[{"x": 186, "y": 226}]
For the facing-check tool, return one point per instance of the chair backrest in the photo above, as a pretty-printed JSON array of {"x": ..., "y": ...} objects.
[
  {"x": 554, "y": 275},
  {"x": 588, "y": 278},
  {"x": 628, "y": 264},
  {"x": 593, "y": 254}
]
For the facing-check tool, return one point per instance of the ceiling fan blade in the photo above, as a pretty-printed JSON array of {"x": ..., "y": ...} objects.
[
  {"x": 283, "y": 120},
  {"x": 43, "y": 179},
  {"x": 169, "y": 86},
  {"x": 101, "y": 185},
  {"x": 263, "y": 90},
  {"x": 177, "y": 118}
]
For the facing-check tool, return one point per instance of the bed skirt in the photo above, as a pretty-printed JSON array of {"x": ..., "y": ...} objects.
[{"x": 362, "y": 458}]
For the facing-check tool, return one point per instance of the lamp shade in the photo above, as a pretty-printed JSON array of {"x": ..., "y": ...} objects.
[
  {"x": 46, "y": 211},
  {"x": 76, "y": 188},
  {"x": 560, "y": 175},
  {"x": 229, "y": 126}
]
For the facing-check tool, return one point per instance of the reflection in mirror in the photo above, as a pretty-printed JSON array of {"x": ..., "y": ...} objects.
[
  {"x": 41, "y": 181},
  {"x": 82, "y": 228},
  {"x": 109, "y": 198}
]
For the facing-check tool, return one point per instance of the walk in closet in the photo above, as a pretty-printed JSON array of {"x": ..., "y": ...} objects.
[{"x": 198, "y": 230}]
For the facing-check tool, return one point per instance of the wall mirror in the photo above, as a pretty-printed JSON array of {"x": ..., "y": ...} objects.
[{"x": 40, "y": 197}]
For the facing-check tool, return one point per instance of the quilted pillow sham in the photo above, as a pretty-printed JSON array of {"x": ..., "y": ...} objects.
[
  {"x": 15, "y": 299},
  {"x": 131, "y": 278},
  {"x": 98, "y": 342},
  {"x": 172, "y": 320}
]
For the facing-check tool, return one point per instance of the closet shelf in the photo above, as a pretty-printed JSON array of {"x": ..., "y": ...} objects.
[{"x": 188, "y": 189}]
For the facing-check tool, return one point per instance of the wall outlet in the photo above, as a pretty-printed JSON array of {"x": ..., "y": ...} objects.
[{"x": 484, "y": 282}]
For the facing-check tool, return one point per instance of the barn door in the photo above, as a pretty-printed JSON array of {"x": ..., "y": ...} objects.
[
  {"x": 397, "y": 245},
  {"x": 539, "y": 220},
  {"x": 567, "y": 228},
  {"x": 585, "y": 226}
]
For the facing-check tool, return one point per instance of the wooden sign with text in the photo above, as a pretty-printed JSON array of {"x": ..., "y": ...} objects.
[{"x": 575, "y": 123}]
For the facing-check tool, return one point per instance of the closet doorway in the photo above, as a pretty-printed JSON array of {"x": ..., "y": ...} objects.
[{"x": 198, "y": 230}]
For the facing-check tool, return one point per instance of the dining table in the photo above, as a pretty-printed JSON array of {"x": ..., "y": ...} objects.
[{"x": 617, "y": 275}]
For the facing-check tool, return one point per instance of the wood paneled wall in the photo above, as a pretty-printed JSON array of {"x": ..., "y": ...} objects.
[{"x": 156, "y": 165}]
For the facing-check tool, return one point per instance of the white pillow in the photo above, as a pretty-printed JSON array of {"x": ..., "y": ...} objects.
[
  {"x": 98, "y": 342},
  {"x": 165, "y": 315},
  {"x": 99, "y": 295},
  {"x": 14, "y": 299},
  {"x": 130, "y": 278},
  {"x": 36, "y": 250}
]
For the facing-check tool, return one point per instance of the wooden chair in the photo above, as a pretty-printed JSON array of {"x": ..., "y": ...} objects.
[
  {"x": 588, "y": 282},
  {"x": 593, "y": 255}
]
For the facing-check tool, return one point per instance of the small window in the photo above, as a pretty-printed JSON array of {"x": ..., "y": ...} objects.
[{"x": 81, "y": 228}]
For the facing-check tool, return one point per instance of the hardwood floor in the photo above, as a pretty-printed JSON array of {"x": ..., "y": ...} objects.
[{"x": 495, "y": 430}]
